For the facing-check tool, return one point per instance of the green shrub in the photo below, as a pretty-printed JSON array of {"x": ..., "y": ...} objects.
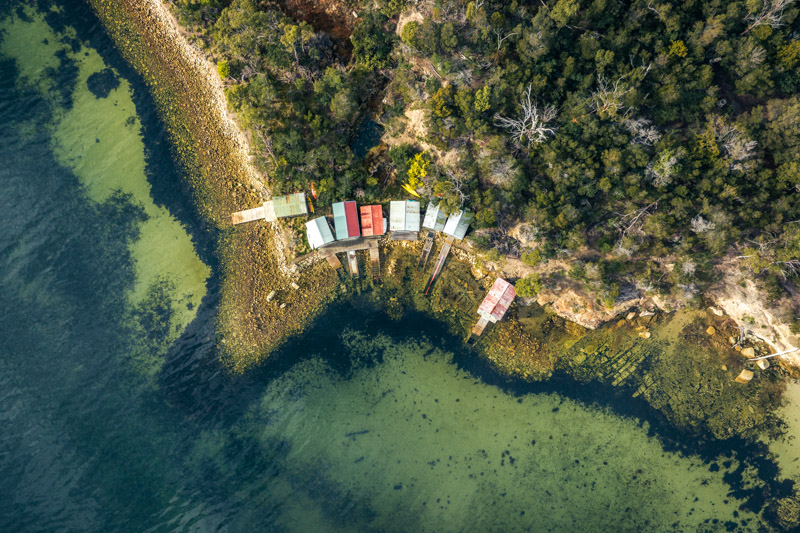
[
  {"x": 532, "y": 258},
  {"x": 223, "y": 69},
  {"x": 529, "y": 286}
]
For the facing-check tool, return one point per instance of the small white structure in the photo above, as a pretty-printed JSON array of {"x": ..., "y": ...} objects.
[
  {"x": 319, "y": 233},
  {"x": 404, "y": 216},
  {"x": 458, "y": 224},
  {"x": 434, "y": 218}
]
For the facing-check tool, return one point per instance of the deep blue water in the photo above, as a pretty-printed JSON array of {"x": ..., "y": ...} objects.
[{"x": 363, "y": 424}]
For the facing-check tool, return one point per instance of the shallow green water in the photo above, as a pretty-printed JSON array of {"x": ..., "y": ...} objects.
[{"x": 116, "y": 416}]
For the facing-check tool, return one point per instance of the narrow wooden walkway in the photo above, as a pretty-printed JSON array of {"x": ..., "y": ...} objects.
[
  {"x": 448, "y": 243},
  {"x": 477, "y": 330},
  {"x": 352, "y": 262},
  {"x": 375, "y": 259},
  {"x": 266, "y": 211},
  {"x": 426, "y": 251}
]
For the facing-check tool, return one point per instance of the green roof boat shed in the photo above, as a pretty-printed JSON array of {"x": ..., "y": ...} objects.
[{"x": 291, "y": 205}]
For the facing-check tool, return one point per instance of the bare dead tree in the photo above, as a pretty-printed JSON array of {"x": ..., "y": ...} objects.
[
  {"x": 630, "y": 223},
  {"x": 458, "y": 186},
  {"x": 642, "y": 131},
  {"x": 500, "y": 37},
  {"x": 736, "y": 146},
  {"x": 607, "y": 99},
  {"x": 700, "y": 225},
  {"x": 771, "y": 15},
  {"x": 531, "y": 126}
]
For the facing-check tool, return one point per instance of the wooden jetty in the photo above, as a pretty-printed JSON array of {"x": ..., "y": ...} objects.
[
  {"x": 333, "y": 261},
  {"x": 266, "y": 211},
  {"x": 352, "y": 262},
  {"x": 375, "y": 259},
  {"x": 477, "y": 330},
  {"x": 437, "y": 268},
  {"x": 426, "y": 250}
]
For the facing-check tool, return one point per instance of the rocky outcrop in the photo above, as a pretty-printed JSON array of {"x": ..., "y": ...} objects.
[
  {"x": 740, "y": 299},
  {"x": 581, "y": 308}
]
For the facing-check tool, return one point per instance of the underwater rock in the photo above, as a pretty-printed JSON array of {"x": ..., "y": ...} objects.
[
  {"x": 744, "y": 376},
  {"x": 749, "y": 352},
  {"x": 711, "y": 330}
]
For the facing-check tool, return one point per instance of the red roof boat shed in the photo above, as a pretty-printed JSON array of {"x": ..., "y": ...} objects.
[
  {"x": 497, "y": 302},
  {"x": 351, "y": 214},
  {"x": 372, "y": 220}
]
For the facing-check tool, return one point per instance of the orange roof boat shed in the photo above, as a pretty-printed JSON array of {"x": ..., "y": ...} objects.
[
  {"x": 372, "y": 220},
  {"x": 496, "y": 303}
]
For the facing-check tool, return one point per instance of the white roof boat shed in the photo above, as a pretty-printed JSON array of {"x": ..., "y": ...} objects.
[
  {"x": 434, "y": 218},
  {"x": 404, "y": 216},
  {"x": 458, "y": 224},
  {"x": 318, "y": 232}
]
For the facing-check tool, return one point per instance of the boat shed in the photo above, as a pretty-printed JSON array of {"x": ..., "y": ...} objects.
[
  {"x": 458, "y": 224},
  {"x": 434, "y": 218},
  {"x": 404, "y": 216},
  {"x": 291, "y": 205},
  {"x": 318, "y": 232},
  {"x": 345, "y": 220},
  {"x": 372, "y": 220},
  {"x": 497, "y": 302}
]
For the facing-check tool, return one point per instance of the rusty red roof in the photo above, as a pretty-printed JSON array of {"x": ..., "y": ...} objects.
[
  {"x": 498, "y": 300},
  {"x": 351, "y": 215},
  {"x": 372, "y": 220}
]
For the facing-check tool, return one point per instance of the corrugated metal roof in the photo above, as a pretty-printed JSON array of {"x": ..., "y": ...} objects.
[
  {"x": 339, "y": 220},
  {"x": 412, "y": 215},
  {"x": 372, "y": 220},
  {"x": 319, "y": 232},
  {"x": 404, "y": 215},
  {"x": 458, "y": 224},
  {"x": 345, "y": 220},
  {"x": 499, "y": 299},
  {"x": 291, "y": 205},
  {"x": 351, "y": 214},
  {"x": 434, "y": 218},
  {"x": 397, "y": 215}
]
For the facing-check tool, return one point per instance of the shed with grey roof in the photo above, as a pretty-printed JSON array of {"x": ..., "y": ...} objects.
[
  {"x": 434, "y": 217},
  {"x": 318, "y": 232},
  {"x": 404, "y": 216},
  {"x": 458, "y": 224}
]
